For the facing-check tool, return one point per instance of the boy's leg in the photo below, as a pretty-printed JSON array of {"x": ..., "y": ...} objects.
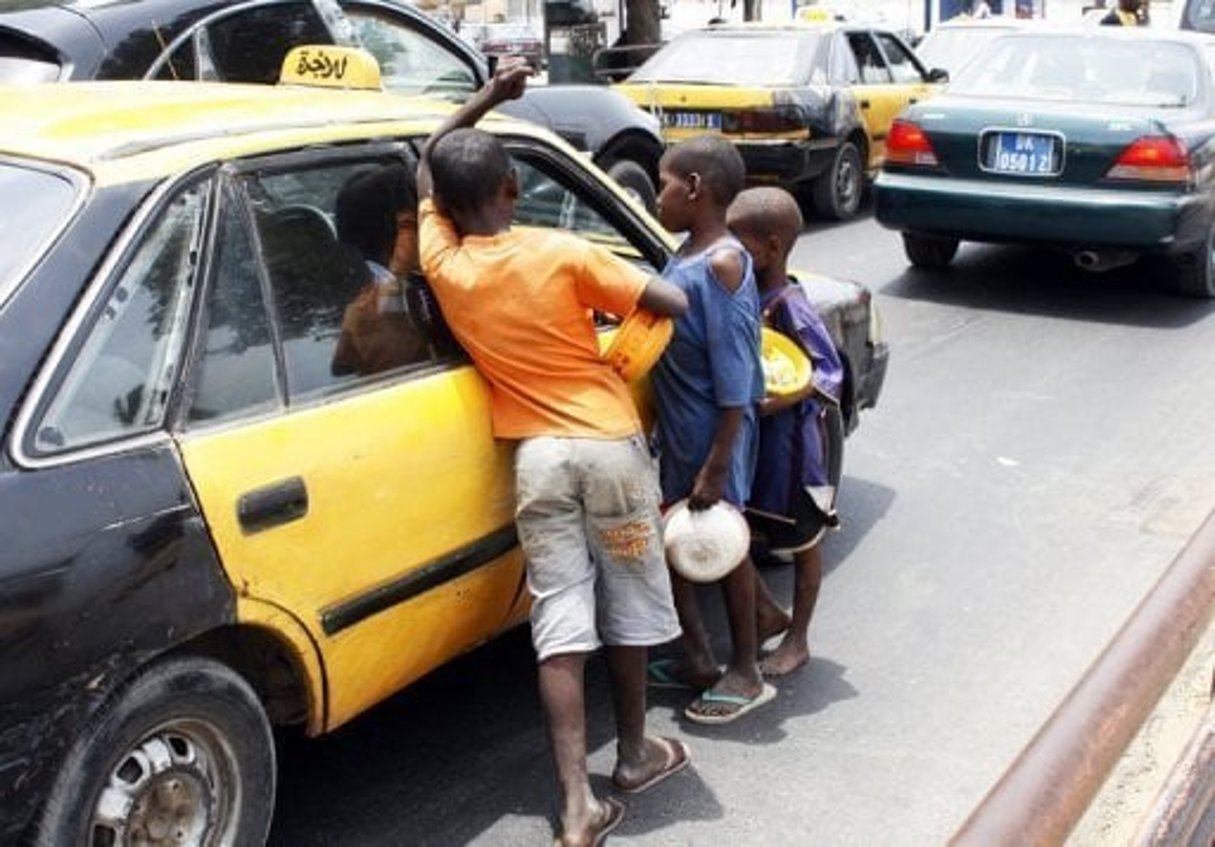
[
  {"x": 794, "y": 649},
  {"x": 698, "y": 667},
  {"x": 562, "y": 694},
  {"x": 640, "y": 760},
  {"x": 742, "y": 678},
  {"x": 770, "y": 618}
]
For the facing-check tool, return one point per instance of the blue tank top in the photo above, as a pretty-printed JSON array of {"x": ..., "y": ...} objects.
[{"x": 712, "y": 363}]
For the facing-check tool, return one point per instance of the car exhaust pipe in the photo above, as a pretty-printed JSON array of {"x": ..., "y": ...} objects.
[{"x": 1096, "y": 261}]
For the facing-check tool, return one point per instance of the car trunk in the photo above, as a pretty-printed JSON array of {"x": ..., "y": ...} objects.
[
  {"x": 740, "y": 112},
  {"x": 1031, "y": 140}
]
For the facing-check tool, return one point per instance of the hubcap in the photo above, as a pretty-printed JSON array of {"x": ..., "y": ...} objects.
[
  {"x": 847, "y": 185},
  {"x": 178, "y": 787}
]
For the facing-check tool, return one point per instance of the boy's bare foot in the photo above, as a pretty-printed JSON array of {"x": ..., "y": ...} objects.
[
  {"x": 607, "y": 816},
  {"x": 679, "y": 673},
  {"x": 771, "y": 621},
  {"x": 663, "y": 757},
  {"x": 784, "y": 660},
  {"x": 728, "y": 700}
]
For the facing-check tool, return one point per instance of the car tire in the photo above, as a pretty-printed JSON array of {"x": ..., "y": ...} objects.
[
  {"x": 1194, "y": 273},
  {"x": 183, "y": 751},
  {"x": 633, "y": 178},
  {"x": 929, "y": 251},
  {"x": 836, "y": 193}
]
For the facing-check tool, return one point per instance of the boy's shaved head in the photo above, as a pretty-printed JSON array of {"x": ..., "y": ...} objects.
[
  {"x": 766, "y": 211},
  {"x": 468, "y": 166},
  {"x": 715, "y": 160}
]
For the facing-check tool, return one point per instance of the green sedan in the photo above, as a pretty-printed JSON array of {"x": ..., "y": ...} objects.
[{"x": 1097, "y": 142}]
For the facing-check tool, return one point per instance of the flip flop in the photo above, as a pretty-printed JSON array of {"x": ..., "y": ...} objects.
[
  {"x": 615, "y": 814},
  {"x": 677, "y": 758},
  {"x": 660, "y": 673},
  {"x": 742, "y": 704}
]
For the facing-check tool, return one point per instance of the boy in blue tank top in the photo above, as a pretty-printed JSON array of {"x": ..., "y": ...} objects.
[{"x": 706, "y": 387}]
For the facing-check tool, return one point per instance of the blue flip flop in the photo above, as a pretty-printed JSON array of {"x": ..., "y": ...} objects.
[
  {"x": 742, "y": 705},
  {"x": 659, "y": 674}
]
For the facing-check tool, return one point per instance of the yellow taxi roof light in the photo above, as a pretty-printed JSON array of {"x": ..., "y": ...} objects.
[{"x": 328, "y": 66}]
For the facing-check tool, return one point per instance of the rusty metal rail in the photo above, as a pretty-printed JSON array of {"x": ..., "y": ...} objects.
[{"x": 1042, "y": 795}]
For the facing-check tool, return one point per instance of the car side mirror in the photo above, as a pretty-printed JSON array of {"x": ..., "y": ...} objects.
[{"x": 938, "y": 75}]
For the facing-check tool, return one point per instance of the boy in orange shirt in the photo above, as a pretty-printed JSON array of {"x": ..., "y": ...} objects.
[{"x": 521, "y": 303}]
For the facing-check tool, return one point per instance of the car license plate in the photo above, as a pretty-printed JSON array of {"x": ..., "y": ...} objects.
[
  {"x": 1024, "y": 153},
  {"x": 691, "y": 120}
]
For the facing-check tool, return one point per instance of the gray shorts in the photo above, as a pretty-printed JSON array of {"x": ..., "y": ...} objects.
[{"x": 588, "y": 520}]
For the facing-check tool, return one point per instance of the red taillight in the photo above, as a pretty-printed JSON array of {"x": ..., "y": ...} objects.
[
  {"x": 908, "y": 145},
  {"x": 1154, "y": 158}
]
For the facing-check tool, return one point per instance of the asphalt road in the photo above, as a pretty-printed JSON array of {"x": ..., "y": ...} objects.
[{"x": 1040, "y": 453}]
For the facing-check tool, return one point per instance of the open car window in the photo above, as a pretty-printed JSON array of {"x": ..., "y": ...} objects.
[{"x": 410, "y": 62}]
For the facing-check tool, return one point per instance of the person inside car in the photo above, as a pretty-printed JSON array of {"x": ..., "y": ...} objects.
[
  {"x": 375, "y": 215},
  {"x": 1126, "y": 13},
  {"x": 520, "y": 301}
]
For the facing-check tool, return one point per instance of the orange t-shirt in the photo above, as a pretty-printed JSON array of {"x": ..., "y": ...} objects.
[{"x": 520, "y": 302}]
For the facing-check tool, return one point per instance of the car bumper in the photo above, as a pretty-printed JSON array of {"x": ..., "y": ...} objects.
[
  {"x": 786, "y": 161},
  {"x": 1144, "y": 221}
]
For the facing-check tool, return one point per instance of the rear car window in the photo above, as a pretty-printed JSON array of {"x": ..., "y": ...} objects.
[
  {"x": 735, "y": 58},
  {"x": 34, "y": 205},
  {"x": 23, "y": 61},
  {"x": 1158, "y": 74}
]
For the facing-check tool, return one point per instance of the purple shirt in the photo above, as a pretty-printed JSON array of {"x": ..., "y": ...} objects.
[{"x": 791, "y": 442}]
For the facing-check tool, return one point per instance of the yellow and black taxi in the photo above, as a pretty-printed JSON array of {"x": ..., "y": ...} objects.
[
  {"x": 808, "y": 103},
  {"x": 209, "y": 528},
  {"x": 1098, "y": 142}
]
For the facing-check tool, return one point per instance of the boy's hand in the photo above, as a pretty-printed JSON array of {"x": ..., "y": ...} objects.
[
  {"x": 710, "y": 484},
  {"x": 510, "y": 80}
]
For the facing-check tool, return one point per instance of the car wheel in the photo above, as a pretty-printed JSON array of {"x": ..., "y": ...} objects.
[
  {"x": 183, "y": 755},
  {"x": 633, "y": 178},
  {"x": 929, "y": 251},
  {"x": 836, "y": 194},
  {"x": 1194, "y": 273}
]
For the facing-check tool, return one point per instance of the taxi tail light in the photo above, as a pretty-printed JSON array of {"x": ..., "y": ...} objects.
[
  {"x": 908, "y": 145},
  {"x": 778, "y": 119},
  {"x": 1153, "y": 158}
]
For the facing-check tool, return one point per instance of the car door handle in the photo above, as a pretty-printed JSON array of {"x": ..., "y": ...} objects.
[
  {"x": 914, "y": 100},
  {"x": 272, "y": 505},
  {"x": 864, "y": 104}
]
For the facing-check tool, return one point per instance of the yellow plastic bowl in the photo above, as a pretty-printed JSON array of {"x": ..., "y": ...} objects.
[
  {"x": 637, "y": 343},
  {"x": 787, "y": 370}
]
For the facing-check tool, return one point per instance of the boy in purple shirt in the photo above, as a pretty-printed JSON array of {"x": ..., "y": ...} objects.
[{"x": 792, "y": 500}]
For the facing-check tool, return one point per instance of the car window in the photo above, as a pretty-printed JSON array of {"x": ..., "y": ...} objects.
[
  {"x": 550, "y": 199},
  {"x": 180, "y": 64},
  {"x": 410, "y": 62},
  {"x": 330, "y": 235},
  {"x": 735, "y": 58},
  {"x": 1144, "y": 72},
  {"x": 1199, "y": 15},
  {"x": 23, "y": 61},
  {"x": 898, "y": 58},
  {"x": 34, "y": 205},
  {"x": 869, "y": 59},
  {"x": 236, "y": 369},
  {"x": 842, "y": 67},
  {"x": 249, "y": 46},
  {"x": 120, "y": 380}
]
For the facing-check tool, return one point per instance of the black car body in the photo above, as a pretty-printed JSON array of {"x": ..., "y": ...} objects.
[{"x": 246, "y": 40}]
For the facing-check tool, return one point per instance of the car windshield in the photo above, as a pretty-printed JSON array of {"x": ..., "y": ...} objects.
[
  {"x": 734, "y": 58},
  {"x": 951, "y": 47},
  {"x": 34, "y": 204},
  {"x": 1138, "y": 72}
]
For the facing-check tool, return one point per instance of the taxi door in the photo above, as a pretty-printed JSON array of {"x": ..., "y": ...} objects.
[
  {"x": 373, "y": 507},
  {"x": 889, "y": 80}
]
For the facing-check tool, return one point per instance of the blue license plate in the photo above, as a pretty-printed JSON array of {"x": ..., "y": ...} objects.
[
  {"x": 1023, "y": 153},
  {"x": 692, "y": 120}
]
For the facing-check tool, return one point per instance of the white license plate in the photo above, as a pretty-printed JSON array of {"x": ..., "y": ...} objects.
[
  {"x": 691, "y": 120},
  {"x": 1023, "y": 153}
]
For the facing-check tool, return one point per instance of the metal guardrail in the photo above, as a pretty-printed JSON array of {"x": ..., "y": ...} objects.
[{"x": 1042, "y": 795}]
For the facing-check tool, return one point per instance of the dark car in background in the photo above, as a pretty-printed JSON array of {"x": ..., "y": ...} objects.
[
  {"x": 246, "y": 40},
  {"x": 1098, "y": 142}
]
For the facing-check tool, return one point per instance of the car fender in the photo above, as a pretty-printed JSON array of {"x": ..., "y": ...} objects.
[
  {"x": 829, "y": 111},
  {"x": 588, "y": 117}
]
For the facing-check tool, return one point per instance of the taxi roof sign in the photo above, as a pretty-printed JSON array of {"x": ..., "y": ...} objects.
[{"x": 329, "y": 66}]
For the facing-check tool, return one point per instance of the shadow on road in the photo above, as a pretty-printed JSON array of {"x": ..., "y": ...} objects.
[{"x": 1041, "y": 282}]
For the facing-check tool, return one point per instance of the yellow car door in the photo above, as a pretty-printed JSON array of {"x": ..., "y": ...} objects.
[
  {"x": 373, "y": 507},
  {"x": 884, "y": 87}
]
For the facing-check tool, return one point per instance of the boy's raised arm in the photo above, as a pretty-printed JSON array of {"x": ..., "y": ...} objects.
[{"x": 508, "y": 83}]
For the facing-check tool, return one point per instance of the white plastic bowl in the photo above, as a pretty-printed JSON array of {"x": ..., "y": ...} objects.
[{"x": 705, "y": 545}]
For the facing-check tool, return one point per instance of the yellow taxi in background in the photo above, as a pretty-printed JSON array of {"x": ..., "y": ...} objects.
[
  {"x": 210, "y": 527},
  {"x": 808, "y": 103}
]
